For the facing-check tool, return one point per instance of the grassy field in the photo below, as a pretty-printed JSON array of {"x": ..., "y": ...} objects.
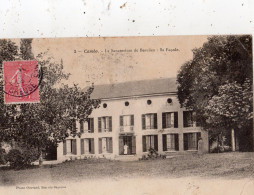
[{"x": 224, "y": 165}]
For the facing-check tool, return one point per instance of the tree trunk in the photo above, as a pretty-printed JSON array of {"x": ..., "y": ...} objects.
[
  {"x": 40, "y": 158},
  {"x": 233, "y": 140}
]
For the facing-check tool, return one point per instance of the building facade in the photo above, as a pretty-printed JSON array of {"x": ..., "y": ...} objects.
[{"x": 132, "y": 118}]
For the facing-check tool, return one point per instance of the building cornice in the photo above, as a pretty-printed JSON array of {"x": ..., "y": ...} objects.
[{"x": 139, "y": 96}]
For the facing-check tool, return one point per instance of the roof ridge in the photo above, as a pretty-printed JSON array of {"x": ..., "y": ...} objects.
[{"x": 124, "y": 82}]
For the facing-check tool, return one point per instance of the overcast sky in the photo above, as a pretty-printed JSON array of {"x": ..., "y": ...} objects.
[{"x": 102, "y": 68}]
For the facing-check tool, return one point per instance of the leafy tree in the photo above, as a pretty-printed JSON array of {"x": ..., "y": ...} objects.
[
  {"x": 52, "y": 120},
  {"x": 8, "y": 52},
  {"x": 217, "y": 85}
]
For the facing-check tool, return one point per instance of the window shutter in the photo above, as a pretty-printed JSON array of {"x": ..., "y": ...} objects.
[
  {"x": 82, "y": 146},
  {"x": 164, "y": 142},
  {"x": 132, "y": 120},
  {"x": 121, "y": 121},
  {"x": 143, "y": 121},
  {"x": 92, "y": 125},
  {"x": 144, "y": 143},
  {"x": 155, "y": 121},
  {"x": 175, "y": 119},
  {"x": 81, "y": 122},
  {"x": 110, "y": 123},
  {"x": 74, "y": 147},
  {"x": 198, "y": 136},
  {"x": 110, "y": 145},
  {"x": 163, "y": 120},
  {"x": 133, "y": 145},
  {"x": 92, "y": 146},
  {"x": 176, "y": 142},
  {"x": 121, "y": 146},
  {"x": 185, "y": 140},
  {"x": 99, "y": 124},
  {"x": 64, "y": 147},
  {"x": 156, "y": 142},
  {"x": 100, "y": 145}
]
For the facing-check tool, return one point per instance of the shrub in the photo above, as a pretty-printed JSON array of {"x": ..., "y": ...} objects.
[
  {"x": 2, "y": 156},
  {"x": 21, "y": 159}
]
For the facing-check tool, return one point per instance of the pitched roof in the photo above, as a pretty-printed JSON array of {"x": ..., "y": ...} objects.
[{"x": 134, "y": 88}]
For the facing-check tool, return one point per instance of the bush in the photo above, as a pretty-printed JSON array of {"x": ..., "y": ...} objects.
[
  {"x": 22, "y": 159},
  {"x": 2, "y": 156}
]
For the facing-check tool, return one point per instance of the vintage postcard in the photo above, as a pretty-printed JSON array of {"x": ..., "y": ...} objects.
[{"x": 127, "y": 115}]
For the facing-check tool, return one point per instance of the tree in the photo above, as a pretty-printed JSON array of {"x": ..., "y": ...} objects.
[
  {"x": 52, "y": 120},
  {"x": 8, "y": 52},
  {"x": 217, "y": 85}
]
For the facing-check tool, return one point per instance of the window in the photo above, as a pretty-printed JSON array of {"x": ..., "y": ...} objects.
[
  {"x": 149, "y": 102},
  {"x": 105, "y": 145},
  {"x": 188, "y": 119},
  {"x": 105, "y": 105},
  {"x": 126, "y": 122},
  {"x": 170, "y": 142},
  {"x": 169, "y": 100},
  {"x": 191, "y": 141},
  {"x": 87, "y": 146},
  {"x": 105, "y": 124},
  {"x": 150, "y": 141},
  {"x": 87, "y": 126},
  {"x": 149, "y": 121},
  {"x": 69, "y": 147},
  {"x": 126, "y": 103},
  {"x": 169, "y": 120}
]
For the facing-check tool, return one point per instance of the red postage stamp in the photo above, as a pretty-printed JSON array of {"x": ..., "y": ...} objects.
[{"x": 21, "y": 82}]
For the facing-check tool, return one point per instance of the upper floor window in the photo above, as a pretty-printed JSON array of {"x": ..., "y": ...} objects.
[
  {"x": 188, "y": 119},
  {"x": 105, "y": 124},
  {"x": 169, "y": 100},
  {"x": 149, "y": 102},
  {"x": 169, "y": 120},
  {"x": 127, "y": 120},
  {"x": 87, "y": 126},
  {"x": 149, "y": 121},
  {"x": 126, "y": 123}
]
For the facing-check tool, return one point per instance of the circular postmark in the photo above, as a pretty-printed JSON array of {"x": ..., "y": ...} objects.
[{"x": 23, "y": 81}]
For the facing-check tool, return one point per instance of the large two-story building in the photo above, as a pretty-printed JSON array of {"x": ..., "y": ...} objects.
[{"x": 134, "y": 117}]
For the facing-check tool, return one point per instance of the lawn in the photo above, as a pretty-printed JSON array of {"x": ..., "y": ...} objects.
[{"x": 224, "y": 165}]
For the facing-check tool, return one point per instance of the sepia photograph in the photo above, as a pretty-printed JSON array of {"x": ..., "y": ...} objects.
[
  {"x": 126, "y": 97},
  {"x": 77, "y": 109}
]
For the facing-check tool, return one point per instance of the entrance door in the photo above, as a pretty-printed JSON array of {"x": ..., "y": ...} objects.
[{"x": 127, "y": 145}]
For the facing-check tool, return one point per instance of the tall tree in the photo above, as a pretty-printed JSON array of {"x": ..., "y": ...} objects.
[
  {"x": 218, "y": 85},
  {"x": 50, "y": 121},
  {"x": 8, "y": 52}
]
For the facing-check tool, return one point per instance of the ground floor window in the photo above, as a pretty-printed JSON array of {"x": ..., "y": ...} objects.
[
  {"x": 170, "y": 142},
  {"x": 150, "y": 142},
  {"x": 87, "y": 146},
  {"x": 191, "y": 140},
  {"x": 105, "y": 145},
  {"x": 70, "y": 146},
  {"x": 127, "y": 145}
]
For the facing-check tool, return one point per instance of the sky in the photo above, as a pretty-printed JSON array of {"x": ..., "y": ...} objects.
[{"x": 144, "y": 57}]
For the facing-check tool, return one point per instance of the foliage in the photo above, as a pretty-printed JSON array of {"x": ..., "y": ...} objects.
[
  {"x": 217, "y": 84},
  {"x": 2, "y": 156},
  {"x": 19, "y": 159},
  {"x": 50, "y": 121}
]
